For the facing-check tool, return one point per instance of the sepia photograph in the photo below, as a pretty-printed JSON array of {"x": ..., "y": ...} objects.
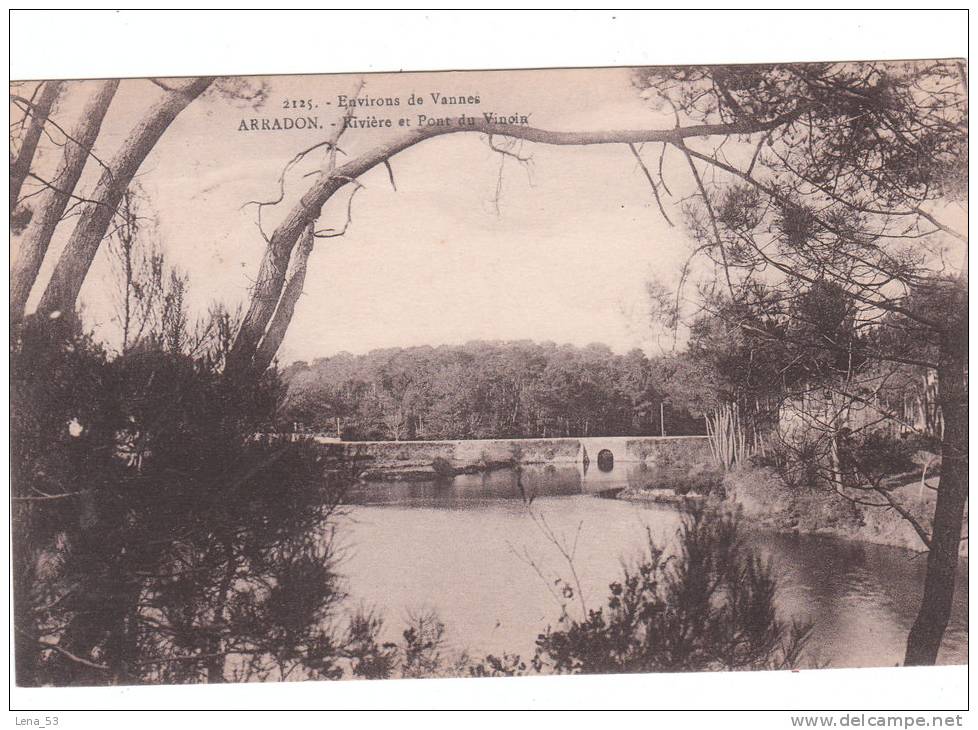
[{"x": 643, "y": 369}]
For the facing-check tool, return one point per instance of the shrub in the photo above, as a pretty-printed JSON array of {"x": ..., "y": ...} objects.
[
  {"x": 705, "y": 481},
  {"x": 878, "y": 454},
  {"x": 443, "y": 467},
  {"x": 682, "y": 481},
  {"x": 156, "y": 539},
  {"x": 710, "y": 608}
]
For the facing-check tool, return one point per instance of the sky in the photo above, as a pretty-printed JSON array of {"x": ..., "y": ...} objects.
[
  {"x": 467, "y": 243},
  {"x": 559, "y": 249}
]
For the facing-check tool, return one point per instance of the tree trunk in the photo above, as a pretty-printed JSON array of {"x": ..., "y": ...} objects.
[
  {"x": 38, "y": 116},
  {"x": 272, "y": 271},
  {"x": 952, "y": 494},
  {"x": 72, "y": 268},
  {"x": 53, "y": 201},
  {"x": 286, "y": 307}
]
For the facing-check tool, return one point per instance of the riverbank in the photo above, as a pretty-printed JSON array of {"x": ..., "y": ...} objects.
[{"x": 763, "y": 498}]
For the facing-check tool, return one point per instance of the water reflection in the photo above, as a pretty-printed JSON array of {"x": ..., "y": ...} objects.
[
  {"x": 462, "y": 546},
  {"x": 548, "y": 480}
]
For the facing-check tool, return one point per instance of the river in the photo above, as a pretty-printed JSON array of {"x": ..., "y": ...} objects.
[{"x": 468, "y": 550}]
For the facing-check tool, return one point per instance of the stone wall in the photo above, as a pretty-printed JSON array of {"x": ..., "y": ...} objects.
[{"x": 426, "y": 459}]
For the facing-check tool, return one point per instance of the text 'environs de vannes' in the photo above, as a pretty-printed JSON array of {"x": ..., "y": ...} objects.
[{"x": 354, "y": 106}]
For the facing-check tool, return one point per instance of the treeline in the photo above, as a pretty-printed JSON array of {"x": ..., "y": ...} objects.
[{"x": 481, "y": 389}]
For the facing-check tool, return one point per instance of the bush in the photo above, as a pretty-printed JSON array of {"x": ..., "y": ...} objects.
[
  {"x": 709, "y": 608},
  {"x": 702, "y": 481},
  {"x": 877, "y": 454},
  {"x": 443, "y": 467},
  {"x": 156, "y": 540}
]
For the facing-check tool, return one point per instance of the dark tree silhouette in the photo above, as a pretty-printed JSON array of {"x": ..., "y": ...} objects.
[
  {"x": 860, "y": 185},
  {"x": 156, "y": 540}
]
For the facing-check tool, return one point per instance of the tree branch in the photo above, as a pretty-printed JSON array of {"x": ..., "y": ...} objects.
[
  {"x": 887, "y": 305},
  {"x": 76, "y": 259},
  {"x": 648, "y": 176},
  {"x": 271, "y": 275},
  {"x": 38, "y": 114},
  {"x": 53, "y": 201}
]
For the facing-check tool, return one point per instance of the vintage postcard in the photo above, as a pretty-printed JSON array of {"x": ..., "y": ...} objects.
[{"x": 489, "y": 373}]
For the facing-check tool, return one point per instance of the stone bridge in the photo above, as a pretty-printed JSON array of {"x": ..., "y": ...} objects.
[{"x": 598, "y": 455}]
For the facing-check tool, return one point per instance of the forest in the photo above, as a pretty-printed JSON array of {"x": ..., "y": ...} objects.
[{"x": 493, "y": 390}]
